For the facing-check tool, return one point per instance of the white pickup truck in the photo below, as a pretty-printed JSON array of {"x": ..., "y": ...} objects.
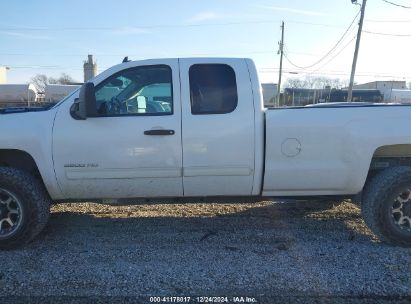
[{"x": 196, "y": 127}]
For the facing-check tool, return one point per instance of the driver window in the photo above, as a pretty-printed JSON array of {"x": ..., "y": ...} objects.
[{"x": 145, "y": 90}]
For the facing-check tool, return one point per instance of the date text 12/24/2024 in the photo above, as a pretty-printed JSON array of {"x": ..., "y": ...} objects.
[{"x": 203, "y": 299}]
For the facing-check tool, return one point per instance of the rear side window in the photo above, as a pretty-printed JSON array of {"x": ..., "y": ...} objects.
[{"x": 213, "y": 89}]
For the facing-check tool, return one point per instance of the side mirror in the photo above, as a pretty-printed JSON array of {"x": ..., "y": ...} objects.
[{"x": 85, "y": 105}]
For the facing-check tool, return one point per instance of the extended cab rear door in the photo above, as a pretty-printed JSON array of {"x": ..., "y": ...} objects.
[{"x": 217, "y": 127}]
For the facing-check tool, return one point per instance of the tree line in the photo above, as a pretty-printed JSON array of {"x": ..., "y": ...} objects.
[
  {"x": 315, "y": 82},
  {"x": 40, "y": 81}
]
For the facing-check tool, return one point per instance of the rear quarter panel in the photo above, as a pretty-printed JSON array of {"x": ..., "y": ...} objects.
[{"x": 328, "y": 151}]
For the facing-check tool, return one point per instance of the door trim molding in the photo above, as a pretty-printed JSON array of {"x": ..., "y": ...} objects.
[
  {"x": 123, "y": 173},
  {"x": 217, "y": 171}
]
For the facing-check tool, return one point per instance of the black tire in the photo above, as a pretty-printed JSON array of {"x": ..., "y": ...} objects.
[
  {"x": 379, "y": 198},
  {"x": 33, "y": 204}
]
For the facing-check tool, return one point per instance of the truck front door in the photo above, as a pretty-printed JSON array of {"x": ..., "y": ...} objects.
[{"x": 133, "y": 147}]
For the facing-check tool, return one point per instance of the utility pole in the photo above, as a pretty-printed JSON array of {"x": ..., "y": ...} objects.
[
  {"x": 280, "y": 51},
  {"x": 357, "y": 47}
]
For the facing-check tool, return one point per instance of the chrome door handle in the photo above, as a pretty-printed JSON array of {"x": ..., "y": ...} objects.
[{"x": 159, "y": 132}]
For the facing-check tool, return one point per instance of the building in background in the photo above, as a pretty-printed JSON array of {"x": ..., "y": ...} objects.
[
  {"x": 400, "y": 96},
  {"x": 90, "y": 68},
  {"x": 16, "y": 95},
  {"x": 3, "y": 74},
  {"x": 302, "y": 97},
  {"x": 385, "y": 87},
  {"x": 269, "y": 94},
  {"x": 56, "y": 92},
  {"x": 358, "y": 95}
]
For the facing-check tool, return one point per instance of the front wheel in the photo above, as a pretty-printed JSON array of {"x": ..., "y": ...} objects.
[
  {"x": 386, "y": 206},
  {"x": 24, "y": 207}
]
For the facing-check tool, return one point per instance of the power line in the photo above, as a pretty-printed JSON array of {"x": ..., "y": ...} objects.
[
  {"x": 130, "y": 27},
  {"x": 335, "y": 56},
  {"x": 372, "y": 73},
  {"x": 136, "y": 55},
  {"x": 300, "y": 53},
  {"x": 387, "y": 34},
  {"x": 396, "y": 4},
  {"x": 139, "y": 55},
  {"x": 26, "y": 28},
  {"x": 388, "y": 21},
  {"x": 340, "y": 73},
  {"x": 119, "y": 55},
  {"x": 339, "y": 52},
  {"x": 33, "y": 66},
  {"x": 331, "y": 59},
  {"x": 329, "y": 52},
  {"x": 314, "y": 23},
  {"x": 261, "y": 70}
]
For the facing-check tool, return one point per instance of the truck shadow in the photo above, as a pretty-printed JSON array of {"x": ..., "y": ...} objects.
[{"x": 276, "y": 225}]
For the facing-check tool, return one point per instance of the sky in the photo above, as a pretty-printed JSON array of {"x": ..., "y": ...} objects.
[{"x": 54, "y": 37}]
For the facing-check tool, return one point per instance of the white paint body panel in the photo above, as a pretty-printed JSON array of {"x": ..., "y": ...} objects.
[
  {"x": 337, "y": 145},
  {"x": 218, "y": 149},
  {"x": 309, "y": 151},
  {"x": 32, "y": 133},
  {"x": 123, "y": 161}
]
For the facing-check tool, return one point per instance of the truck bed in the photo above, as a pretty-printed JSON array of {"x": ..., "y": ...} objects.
[{"x": 327, "y": 149}]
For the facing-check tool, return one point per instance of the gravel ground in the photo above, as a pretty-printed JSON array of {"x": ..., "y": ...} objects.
[{"x": 274, "y": 252}]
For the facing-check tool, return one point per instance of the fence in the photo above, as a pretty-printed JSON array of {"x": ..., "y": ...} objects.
[{"x": 5, "y": 104}]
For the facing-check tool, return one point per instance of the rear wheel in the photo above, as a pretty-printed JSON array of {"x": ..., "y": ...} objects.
[
  {"x": 386, "y": 206},
  {"x": 24, "y": 207}
]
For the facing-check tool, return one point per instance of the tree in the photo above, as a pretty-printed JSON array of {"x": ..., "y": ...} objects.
[
  {"x": 294, "y": 83},
  {"x": 315, "y": 82},
  {"x": 63, "y": 79},
  {"x": 40, "y": 81},
  {"x": 66, "y": 79}
]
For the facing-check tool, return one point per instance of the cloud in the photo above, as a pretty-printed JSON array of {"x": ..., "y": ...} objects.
[
  {"x": 130, "y": 31},
  {"x": 26, "y": 36},
  {"x": 204, "y": 16},
  {"x": 295, "y": 11}
]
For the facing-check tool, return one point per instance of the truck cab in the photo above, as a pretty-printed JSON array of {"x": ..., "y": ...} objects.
[{"x": 163, "y": 128}]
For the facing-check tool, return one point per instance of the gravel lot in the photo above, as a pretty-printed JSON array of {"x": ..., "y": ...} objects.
[{"x": 275, "y": 252}]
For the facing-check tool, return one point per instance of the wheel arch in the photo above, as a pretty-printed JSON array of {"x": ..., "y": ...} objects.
[
  {"x": 21, "y": 160},
  {"x": 399, "y": 150},
  {"x": 18, "y": 159},
  {"x": 387, "y": 156}
]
